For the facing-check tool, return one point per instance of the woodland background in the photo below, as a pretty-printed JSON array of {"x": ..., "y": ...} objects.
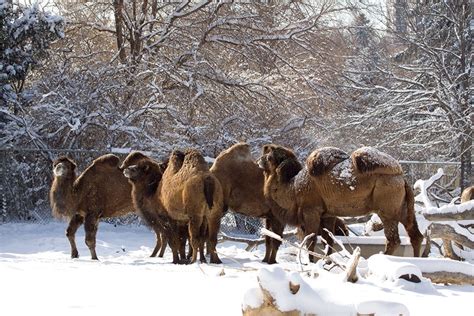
[{"x": 90, "y": 77}]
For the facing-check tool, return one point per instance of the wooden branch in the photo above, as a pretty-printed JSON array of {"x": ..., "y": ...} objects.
[
  {"x": 269, "y": 307},
  {"x": 449, "y": 216},
  {"x": 351, "y": 270},
  {"x": 449, "y": 277},
  {"x": 251, "y": 243},
  {"x": 444, "y": 231}
]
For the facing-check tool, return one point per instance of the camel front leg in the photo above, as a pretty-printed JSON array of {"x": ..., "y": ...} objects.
[
  {"x": 159, "y": 242},
  {"x": 312, "y": 222},
  {"x": 74, "y": 224},
  {"x": 272, "y": 244},
  {"x": 164, "y": 242},
  {"x": 329, "y": 224},
  {"x": 90, "y": 226}
]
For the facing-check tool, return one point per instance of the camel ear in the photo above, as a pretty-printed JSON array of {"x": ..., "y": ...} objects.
[
  {"x": 267, "y": 149},
  {"x": 288, "y": 169}
]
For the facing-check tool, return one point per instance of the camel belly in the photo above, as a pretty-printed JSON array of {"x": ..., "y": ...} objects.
[{"x": 364, "y": 196}]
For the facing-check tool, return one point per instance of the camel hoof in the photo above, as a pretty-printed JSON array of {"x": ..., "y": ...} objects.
[{"x": 216, "y": 259}]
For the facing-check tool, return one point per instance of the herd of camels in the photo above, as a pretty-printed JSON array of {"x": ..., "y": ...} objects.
[{"x": 182, "y": 199}]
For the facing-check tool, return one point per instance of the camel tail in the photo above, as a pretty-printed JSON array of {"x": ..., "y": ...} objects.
[
  {"x": 209, "y": 188},
  {"x": 410, "y": 223}
]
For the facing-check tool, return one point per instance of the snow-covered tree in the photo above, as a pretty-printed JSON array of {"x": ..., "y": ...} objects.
[
  {"x": 25, "y": 37},
  {"x": 425, "y": 110}
]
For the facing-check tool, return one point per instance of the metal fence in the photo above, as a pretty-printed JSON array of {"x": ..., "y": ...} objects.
[{"x": 26, "y": 175}]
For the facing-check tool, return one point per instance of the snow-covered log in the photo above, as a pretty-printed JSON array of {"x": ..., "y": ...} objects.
[
  {"x": 463, "y": 211},
  {"x": 282, "y": 293},
  {"x": 437, "y": 270},
  {"x": 452, "y": 232}
]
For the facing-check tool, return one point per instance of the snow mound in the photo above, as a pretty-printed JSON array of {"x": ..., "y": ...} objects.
[
  {"x": 382, "y": 308},
  {"x": 389, "y": 270}
]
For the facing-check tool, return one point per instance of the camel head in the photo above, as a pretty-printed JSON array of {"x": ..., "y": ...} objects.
[
  {"x": 144, "y": 170},
  {"x": 132, "y": 159},
  {"x": 64, "y": 167},
  {"x": 280, "y": 161}
]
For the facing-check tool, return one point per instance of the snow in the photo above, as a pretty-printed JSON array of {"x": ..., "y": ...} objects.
[
  {"x": 423, "y": 186},
  {"x": 429, "y": 265},
  {"x": 451, "y": 208},
  {"x": 36, "y": 268},
  {"x": 378, "y": 157},
  {"x": 388, "y": 270},
  {"x": 343, "y": 172}
]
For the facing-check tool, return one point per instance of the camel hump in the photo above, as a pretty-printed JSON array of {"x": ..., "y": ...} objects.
[
  {"x": 239, "y": 151},
  {"x": 193, "y": 158},
  {"x": 209, "y": 188},
  {"x": 371, "y": 160},
  {"x": 107, "y": 160},
  {"x": 324, "y": 159}
]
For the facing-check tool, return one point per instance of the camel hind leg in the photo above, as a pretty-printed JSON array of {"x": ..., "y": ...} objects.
[
  {"x": 416, "y": 237},
  {"x": 90, "y": 226},
  {"x": 194, "y": 227},
  {"x": 74, "y": 224},
  {"x": 391, "y": 233},
  {"x": 213, "y": 227}
]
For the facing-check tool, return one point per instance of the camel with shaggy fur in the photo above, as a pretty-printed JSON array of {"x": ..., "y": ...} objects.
[
  {"x": 145, "y": 174},
  {"x": 191, "y": 194},
  {"x": 242, "y": 184},
  {"x": 335, "y": 184},
  {"x": 100, "y": 191}
]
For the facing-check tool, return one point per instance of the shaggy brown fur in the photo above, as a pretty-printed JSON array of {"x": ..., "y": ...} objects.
[
  {"x": 345, "y": 189},
  {"x": 467, "y": 194},
  {"x": 145, "y": 175},
  {"x": 161, "y": 237},
  {"x": 242, "y": 183},
  {"x": 99, "y": 192},
  {"x": 191, "y": 194}
]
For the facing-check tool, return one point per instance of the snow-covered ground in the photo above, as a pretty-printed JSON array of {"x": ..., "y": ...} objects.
[{"x": 37, "y": 277}]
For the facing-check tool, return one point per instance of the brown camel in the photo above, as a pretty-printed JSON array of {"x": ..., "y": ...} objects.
[
  {"x": 467, "y": 194},
  {"x": 242, "y": 184},
  {"x": 145, "y": 175},
  {"x": 336, "y": 184},
  {"x": 191, "y": 194},
  {"x": 100, "y": 191},
  {"x": 149, "y": 219}
]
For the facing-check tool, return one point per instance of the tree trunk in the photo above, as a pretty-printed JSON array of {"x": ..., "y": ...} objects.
[
  {"x": 466, "y": 109},
  {"x": 118, "y": 11}
]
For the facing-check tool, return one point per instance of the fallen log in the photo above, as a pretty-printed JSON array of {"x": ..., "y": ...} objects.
[
  {"x": 444, "y": 231},
  {"x": 451, "y": 212}
]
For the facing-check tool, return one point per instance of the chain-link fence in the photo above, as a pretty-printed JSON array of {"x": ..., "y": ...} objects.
[{"x": 26, "y": 176}]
